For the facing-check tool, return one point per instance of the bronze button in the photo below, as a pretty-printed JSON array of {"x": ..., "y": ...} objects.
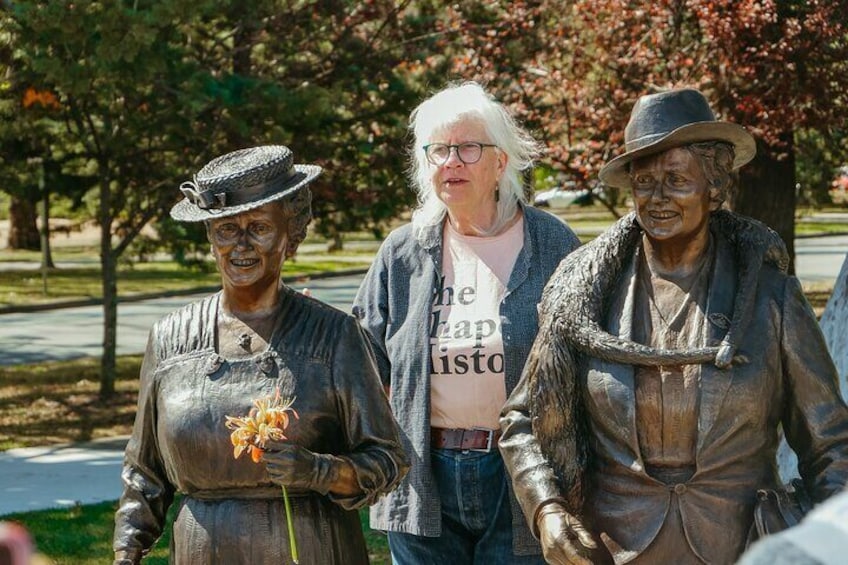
[{"x": 679, "y": 488}]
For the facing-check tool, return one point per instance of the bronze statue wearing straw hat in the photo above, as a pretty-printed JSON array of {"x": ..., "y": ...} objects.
[
  {"x": 671, "y": 350},
  {"x": 256, "y": 339}
]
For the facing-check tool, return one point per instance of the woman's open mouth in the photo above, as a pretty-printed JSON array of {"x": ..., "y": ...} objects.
[
  {"x": 244, "y": 262},
  {"x": 454, "y": 181},
  {"x": 662, "y": 215}
]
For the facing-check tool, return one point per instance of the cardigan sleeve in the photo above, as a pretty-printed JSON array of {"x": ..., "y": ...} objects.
[{"x": 371, "y": 308}]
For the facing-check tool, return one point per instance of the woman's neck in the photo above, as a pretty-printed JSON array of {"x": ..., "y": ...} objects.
[
  {"x": 676, "y": 260},
  {"x": 251, "y": 303},
  {"x": 479, "y": 224}
]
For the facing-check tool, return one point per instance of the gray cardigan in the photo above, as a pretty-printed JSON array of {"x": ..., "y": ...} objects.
[{"x": 394, "y": 304}]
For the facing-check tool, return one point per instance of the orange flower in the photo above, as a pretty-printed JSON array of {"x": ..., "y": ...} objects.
[{"x": 266, "y": 421}]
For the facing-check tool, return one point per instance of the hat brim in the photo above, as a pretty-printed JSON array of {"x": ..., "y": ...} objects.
[
  {"x": 615, "y": 172},
  {"x": 186, "y": 211}
]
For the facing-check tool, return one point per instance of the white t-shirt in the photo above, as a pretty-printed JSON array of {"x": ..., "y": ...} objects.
[{"x": 467, "y": 387}]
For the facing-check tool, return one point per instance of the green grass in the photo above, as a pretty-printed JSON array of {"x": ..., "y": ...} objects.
[
  {"x": 82, "y": 535},
  {"x": 820, "y": 228},
  {"x": 88, "y": 254},
  {"x": 590, "y": 222},
  {"x": 58, "y": 402},
  {"x": 20, "y": 287}
]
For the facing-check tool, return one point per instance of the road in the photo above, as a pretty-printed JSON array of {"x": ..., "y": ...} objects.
[
  {"x": 70, "y": 333},
  {"x": 820, "y": 258},
  {"x": 77, "y": 332}
]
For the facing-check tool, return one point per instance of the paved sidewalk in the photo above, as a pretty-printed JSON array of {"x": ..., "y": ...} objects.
[{"x": 36, "y": 478}]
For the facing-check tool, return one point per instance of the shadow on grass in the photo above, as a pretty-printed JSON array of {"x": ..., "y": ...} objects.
[{"x": 58, "y": 402}]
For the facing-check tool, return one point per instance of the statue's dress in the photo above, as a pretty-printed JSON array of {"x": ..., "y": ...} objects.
[{"x": 230, "y": 512}]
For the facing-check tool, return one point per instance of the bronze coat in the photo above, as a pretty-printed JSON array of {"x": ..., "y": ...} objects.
[{"x": 788, "y": 379}]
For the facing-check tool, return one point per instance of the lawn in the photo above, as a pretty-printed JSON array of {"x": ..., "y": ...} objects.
[
  {"x": 803, "y": 228},
  {"x": 83, "y": 535}
]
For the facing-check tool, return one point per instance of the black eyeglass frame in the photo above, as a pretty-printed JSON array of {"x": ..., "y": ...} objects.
[{"x": 455, "y": 147}]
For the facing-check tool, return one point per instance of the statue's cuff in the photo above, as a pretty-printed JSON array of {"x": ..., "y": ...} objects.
[
  {"x": 549, "y": 506},
  {"x": 127, "y": 557}
]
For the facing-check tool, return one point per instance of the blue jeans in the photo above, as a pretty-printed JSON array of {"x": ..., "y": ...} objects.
[{"x": 476, "y": 515}]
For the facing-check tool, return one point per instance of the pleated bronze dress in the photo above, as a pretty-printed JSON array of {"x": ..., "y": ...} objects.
[{"x": 230, "y": 511}]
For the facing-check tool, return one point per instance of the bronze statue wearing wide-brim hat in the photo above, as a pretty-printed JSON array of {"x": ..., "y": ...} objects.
[
  {"x": 670, "y": 119},
  {"x": 242, "y": 180}
]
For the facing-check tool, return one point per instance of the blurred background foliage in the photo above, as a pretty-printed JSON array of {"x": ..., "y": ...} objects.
[{"x": 110, "y": 104}]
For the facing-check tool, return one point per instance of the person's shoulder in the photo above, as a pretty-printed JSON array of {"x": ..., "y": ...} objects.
[
  {"x": 547, "y": 225},
  {"x": 316, "y": 309},
  {"x": 319, "y": 327},
  {"x": 398, "y": 241},
  {"x": 195, "y": 311},
  {"x": 607, "y": 251},
  {"x": 400, "y": 235},
  {"x": 185, "y": 329},
  {"x": 405, "y": 247},
  {"x": 754, "y": 244},
  {"x": 543, "y": 218}
]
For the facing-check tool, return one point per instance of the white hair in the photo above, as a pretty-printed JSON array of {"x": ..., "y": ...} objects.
[{"x": 459, "y": 103}]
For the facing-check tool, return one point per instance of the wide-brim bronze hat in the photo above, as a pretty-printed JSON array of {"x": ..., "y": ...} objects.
[
  {"x": 240, "y": 181},
  {"x": 670, "y": 119}
]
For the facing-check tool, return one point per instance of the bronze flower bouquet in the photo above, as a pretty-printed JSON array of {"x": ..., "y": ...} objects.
[{"x": 266, "y": 421}]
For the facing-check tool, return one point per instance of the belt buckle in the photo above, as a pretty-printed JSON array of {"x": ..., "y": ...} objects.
[{"x": 489, "y": 440}]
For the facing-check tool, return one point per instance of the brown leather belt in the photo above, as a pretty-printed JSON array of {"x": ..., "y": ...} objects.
[{"x": 478, "y": 439}]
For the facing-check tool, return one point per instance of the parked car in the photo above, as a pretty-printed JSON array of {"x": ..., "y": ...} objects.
[{"x": 562, "y": 197}]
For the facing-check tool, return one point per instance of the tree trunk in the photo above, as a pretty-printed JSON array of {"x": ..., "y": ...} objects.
[
  {"x": 23, "y": 230},
  {"x": 767, "y": 193},
  {"x": 244, "y": 39},
  {"x": 108, "y": 264},
  {"x": 46, "y": 254}
]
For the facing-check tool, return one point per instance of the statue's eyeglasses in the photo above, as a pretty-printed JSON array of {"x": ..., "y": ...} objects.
[{"x": 468, "y": 152}]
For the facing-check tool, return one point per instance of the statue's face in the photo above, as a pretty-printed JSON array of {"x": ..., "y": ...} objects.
[
  {"x": 250, "y": 247},
  {"x": 671, "y": 195}
]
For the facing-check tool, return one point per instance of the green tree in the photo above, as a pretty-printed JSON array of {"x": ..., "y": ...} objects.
[{"x": 128, "y": 109}]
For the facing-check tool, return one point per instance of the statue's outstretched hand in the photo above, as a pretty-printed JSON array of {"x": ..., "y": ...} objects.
[{"x": 565, "y": 541}]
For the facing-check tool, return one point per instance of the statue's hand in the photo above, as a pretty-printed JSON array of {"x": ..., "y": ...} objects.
[
  {"x": 565, "y": 541},
  {"x": 291, "y": 465}
]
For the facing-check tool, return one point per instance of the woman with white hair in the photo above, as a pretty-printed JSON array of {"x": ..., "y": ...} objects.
[{"x": 450, "y": 306}]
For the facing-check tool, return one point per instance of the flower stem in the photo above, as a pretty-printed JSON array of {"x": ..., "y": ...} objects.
[{"x": 292, "y": 541}]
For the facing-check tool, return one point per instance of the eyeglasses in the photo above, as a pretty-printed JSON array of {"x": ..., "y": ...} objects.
[{"x": 468, "y": 152}]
